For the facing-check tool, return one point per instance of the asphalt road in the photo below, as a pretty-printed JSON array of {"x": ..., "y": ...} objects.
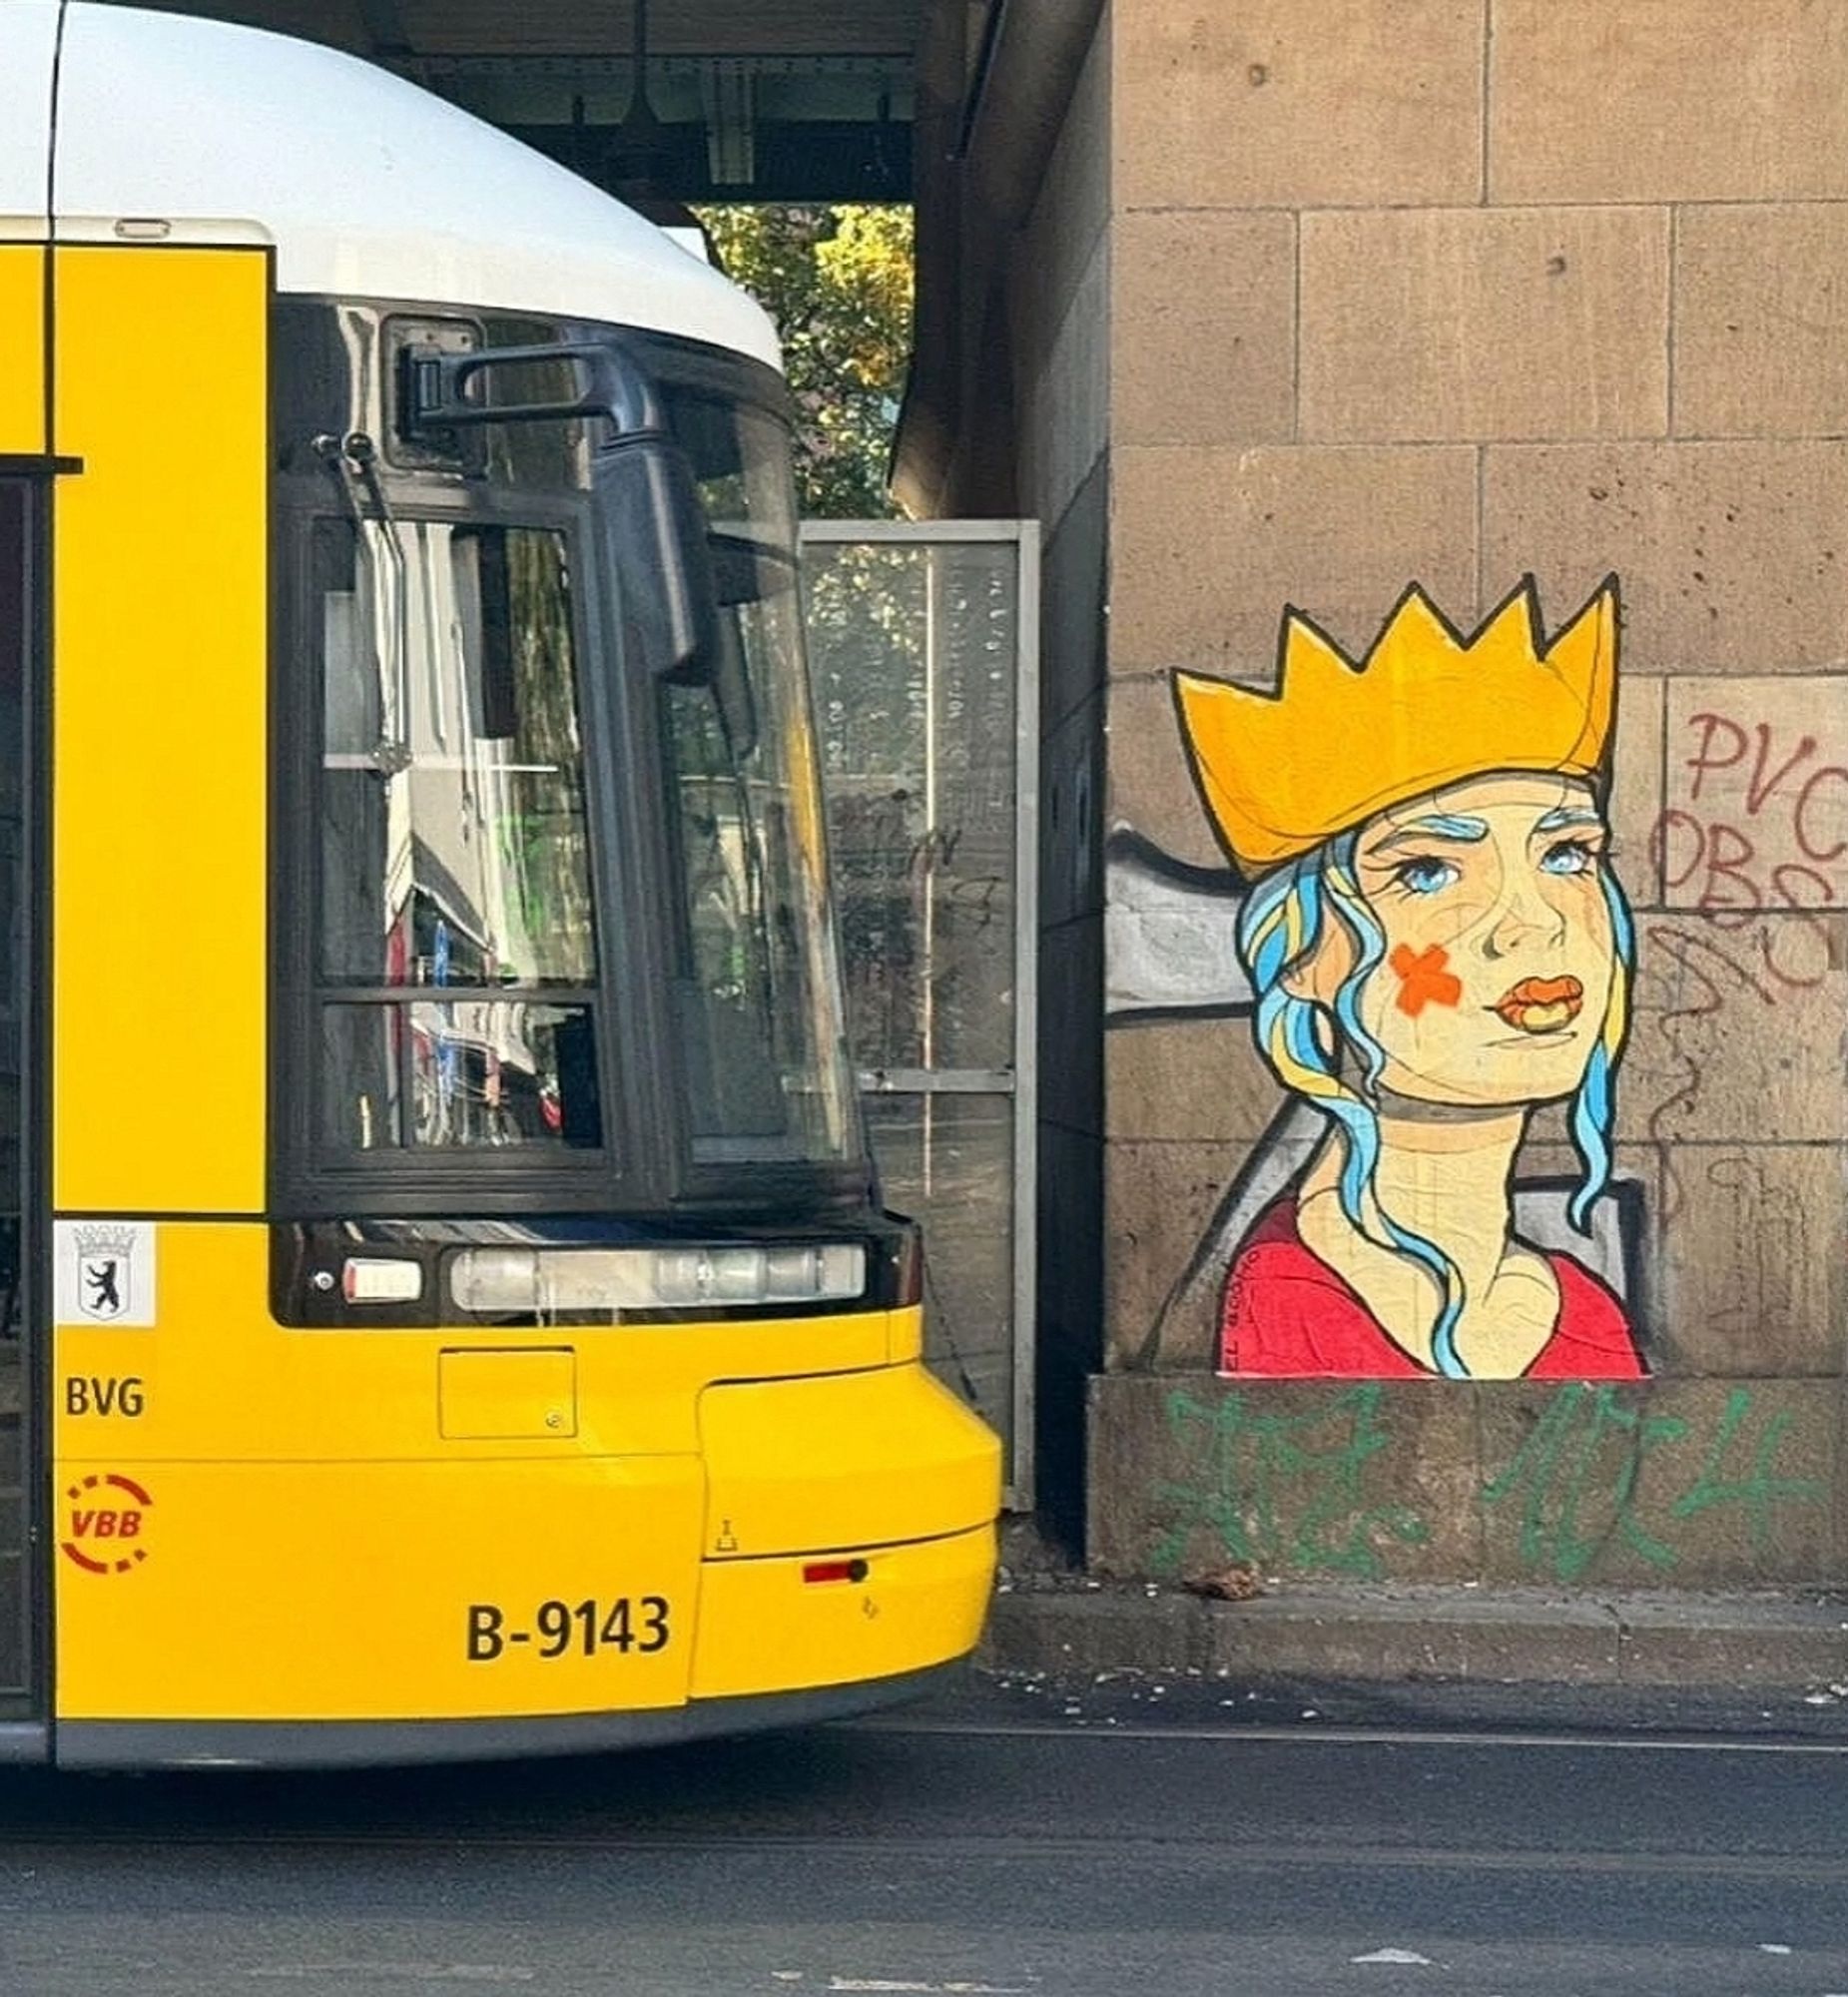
[{"x": 1107, "y": 1842}]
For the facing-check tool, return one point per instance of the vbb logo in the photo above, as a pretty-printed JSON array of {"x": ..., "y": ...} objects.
[{"x": 109, "y": 1525}]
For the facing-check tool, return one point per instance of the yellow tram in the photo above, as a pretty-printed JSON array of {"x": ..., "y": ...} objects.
[{"x": 450, "y": 1310}]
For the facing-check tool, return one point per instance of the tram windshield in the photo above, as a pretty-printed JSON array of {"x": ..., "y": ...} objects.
[
  {"x": 758, "y": 1006},
  {"x": 482, "y": 733}
]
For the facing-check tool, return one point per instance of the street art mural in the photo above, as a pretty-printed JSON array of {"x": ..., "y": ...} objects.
[{"x": 1431, "y": 946}]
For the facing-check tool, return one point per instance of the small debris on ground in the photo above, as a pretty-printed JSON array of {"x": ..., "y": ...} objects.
[{"x": 1238, "y": 1582}]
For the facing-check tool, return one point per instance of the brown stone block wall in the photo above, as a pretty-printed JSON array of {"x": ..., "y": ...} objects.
[
  {"x": 1637, "y": 781},
  {"x": 1159, "y": 1196},
  {"x": 1203, "y": 337},
  {"x": 1753, "y": 1280},
  {"x": 1755, "y": 794},
  {"x": 1732, "y": 554},
  {"x": 1736, "y": 1030},
  {"x": 1187, "y": 1079},
  {"x": 1150, "y": 787},
  {"x": 1405, "y": 290}
]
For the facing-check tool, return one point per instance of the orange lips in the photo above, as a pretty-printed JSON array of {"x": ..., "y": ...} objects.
[{"x": 1541, "y": 1004}]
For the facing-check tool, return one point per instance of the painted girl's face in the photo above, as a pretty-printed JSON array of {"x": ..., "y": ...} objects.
[{"x": 1499, "y": 952}]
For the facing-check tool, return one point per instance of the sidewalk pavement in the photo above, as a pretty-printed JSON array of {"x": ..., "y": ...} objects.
[{"x": 1062, "y": 1625}]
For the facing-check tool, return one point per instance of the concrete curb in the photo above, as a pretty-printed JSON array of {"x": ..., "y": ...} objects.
[{"x": 1392, "y": 1635}]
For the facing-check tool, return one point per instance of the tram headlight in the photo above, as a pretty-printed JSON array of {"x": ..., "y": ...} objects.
[{"x": 503, "y": 1279}]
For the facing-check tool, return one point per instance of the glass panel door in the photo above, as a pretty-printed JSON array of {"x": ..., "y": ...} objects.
[{"x": 922, "y": 641}]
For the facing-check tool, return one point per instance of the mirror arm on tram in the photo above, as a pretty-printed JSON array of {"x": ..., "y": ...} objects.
[{"x": 648, "y": 505}]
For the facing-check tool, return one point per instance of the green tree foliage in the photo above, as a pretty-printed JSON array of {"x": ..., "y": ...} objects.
[{"x": 838, "y": 282}]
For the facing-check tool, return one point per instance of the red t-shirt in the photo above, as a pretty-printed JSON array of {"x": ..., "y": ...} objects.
[{"x": 1286, "y": 1312}]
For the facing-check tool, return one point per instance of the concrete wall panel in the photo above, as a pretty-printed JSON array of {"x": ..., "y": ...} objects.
[
  {"x": 1071, "y": 209},
  {"x": 1073, "y": 578},
  {"x": 1291, "y": 1478},
  {"x": 1062, "y": 392},
  {"x": 1070, "y": 848},
  {"x": 1667, "y": 100},
  {"x": 1273, "y": 104},
  {"x": 1690, "y": 1483},
  {"x": 1761, "y": 321},
  {"x": 1203, "y": 335},
  {"x": 1210, "y": 544},
  {"x": 1071, "y": 1001},
  {"x": 1442, "y": 323},
  {"x": 1732, "y": 555}
]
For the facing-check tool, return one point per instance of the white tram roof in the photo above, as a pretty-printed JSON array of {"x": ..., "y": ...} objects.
[{"x": 366, "y": 186}]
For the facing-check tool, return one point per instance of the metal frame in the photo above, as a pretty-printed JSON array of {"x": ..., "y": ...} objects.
[{"x": 1022, "y": 1082}]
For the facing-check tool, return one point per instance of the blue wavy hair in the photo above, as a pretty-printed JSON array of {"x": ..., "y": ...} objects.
[{"x": 1286, "y": 915}]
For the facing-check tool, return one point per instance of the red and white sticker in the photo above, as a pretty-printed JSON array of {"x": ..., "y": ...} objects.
[{"x": 106, "y": 1523}]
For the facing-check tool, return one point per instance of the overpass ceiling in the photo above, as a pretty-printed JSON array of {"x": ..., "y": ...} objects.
[{"x": 746, "y": 100}]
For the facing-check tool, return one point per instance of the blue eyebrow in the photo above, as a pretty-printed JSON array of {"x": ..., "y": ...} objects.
[
  {"x": 1567, "y": 815},
  {"x": 1442, "y": 824}
]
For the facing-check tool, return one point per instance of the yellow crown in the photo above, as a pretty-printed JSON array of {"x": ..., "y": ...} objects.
[{"x": 1341, "y": 739}]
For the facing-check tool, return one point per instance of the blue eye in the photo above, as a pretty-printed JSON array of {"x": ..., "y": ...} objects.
[
  {"x": 1426, "y": 875},
  {"x": 1571, "y": 855}
]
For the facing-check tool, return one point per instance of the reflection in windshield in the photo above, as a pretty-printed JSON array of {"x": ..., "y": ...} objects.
[
  {"x": 453, "y": 837},
  {"x": 757, "y": 986}
]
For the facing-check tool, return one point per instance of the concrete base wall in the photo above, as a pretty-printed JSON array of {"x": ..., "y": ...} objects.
[{"x": 1672, "y": 1484}]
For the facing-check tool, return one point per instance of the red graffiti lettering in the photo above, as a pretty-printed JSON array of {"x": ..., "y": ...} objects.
[
  {"x": 1678, "y": 833},
  {"x": 1702, "y": 759},
  {"x": 1728, "y": 886},
  {"x": 1769, "y": 823},
  {"x": 1799, "y": 818}
]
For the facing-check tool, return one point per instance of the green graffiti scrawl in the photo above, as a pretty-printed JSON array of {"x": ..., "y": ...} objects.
[
  {"x": 1282, "y": 1491},
  {"x": 1758, "y": 1490},
  {"x": 1554, "y": 1470},
  {"x": 1576, "y": 1479}
]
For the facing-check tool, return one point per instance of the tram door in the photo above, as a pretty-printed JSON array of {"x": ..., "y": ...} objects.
[{"x": 19, "y": 514}]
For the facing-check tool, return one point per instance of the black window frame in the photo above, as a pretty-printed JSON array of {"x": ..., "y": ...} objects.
[
  {"x": 335, "y": 361},
  {"x": 310, "y": 1179},
  {"x": 27, "y": 1606}
]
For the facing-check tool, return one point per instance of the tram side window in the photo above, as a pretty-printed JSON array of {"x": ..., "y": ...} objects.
[{"x": 455, "y": 946}]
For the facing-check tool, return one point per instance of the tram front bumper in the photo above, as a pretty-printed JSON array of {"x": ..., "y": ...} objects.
[
  {"x": 828, "y": 1547},
  {"x": 850, "y": 1530},
  {"x": 779, "y": 1625}
]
